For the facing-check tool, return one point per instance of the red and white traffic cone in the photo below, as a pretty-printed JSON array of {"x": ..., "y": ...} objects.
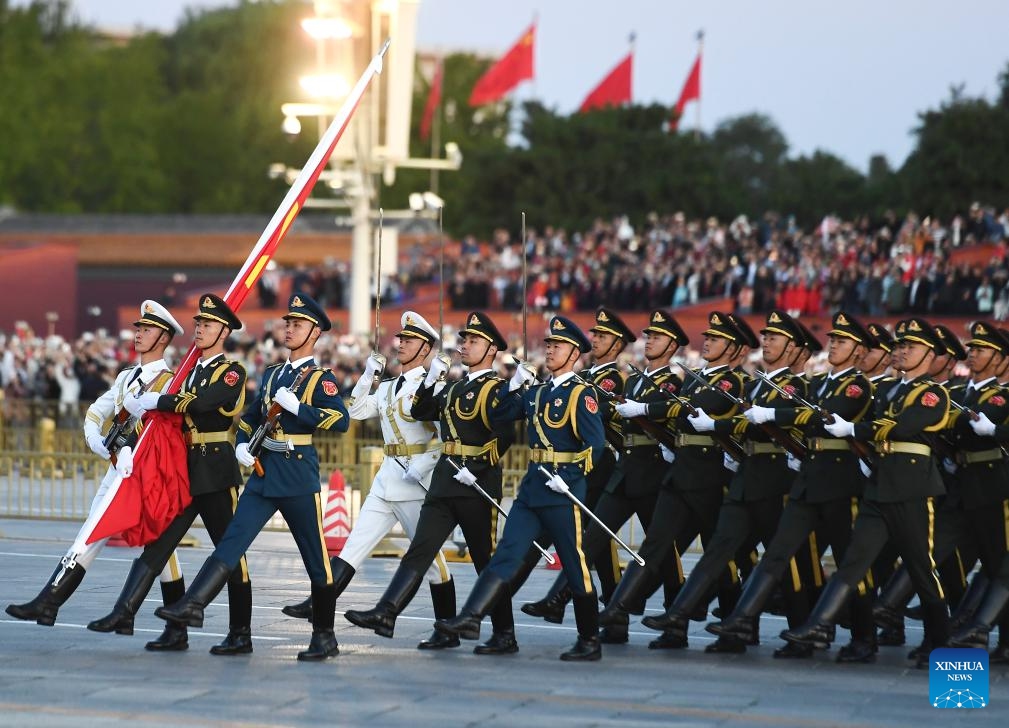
[{"x": 336, "y": 523}]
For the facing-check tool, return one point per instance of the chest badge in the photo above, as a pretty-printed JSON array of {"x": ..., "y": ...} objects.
[
  {"x": 470, "y": 395},
  {"x": 558, "y": 402}
]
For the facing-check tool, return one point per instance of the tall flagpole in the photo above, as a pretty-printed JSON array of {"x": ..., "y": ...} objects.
[
  {"x": 255, "y": 264},
  {"x": 700, "y": 49}
]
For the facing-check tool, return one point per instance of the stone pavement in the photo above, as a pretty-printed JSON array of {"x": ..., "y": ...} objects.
[{"x": 67, "y": 676}]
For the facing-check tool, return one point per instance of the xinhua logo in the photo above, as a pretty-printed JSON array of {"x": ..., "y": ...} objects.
[{"x": 958, "y": 678}]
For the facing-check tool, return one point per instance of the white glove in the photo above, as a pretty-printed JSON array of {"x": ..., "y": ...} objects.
[
  {"x": 375, "y": 364},
  {"x": 557, "y": 484},
  {"x": 864, "y": 467},
  {"x": 124, "y": 462},
  {"x": 840, "y": 427},
  {"x": 287, "y": 399},
  {"x": 523, "y": 375},
  {"x": 793, "y": 462},
  {"x": 413, "y": 474},
  {"x": 982, "y": 425},
  {"x": 730, "y": 462},
  {"x": 949, "y": 466},
  {"x": 668, "y": 455},
  {"x": 629, "y": 408},
  {"x": 243, "y": 456},
  {"x": 759, "y": 415},
  {"x": 439, "y": 365},
  {"x": 465, "y": 477},
  {"x": 701, "y": 422},
  {"x": 132, "y": 405},
  {"x": 94, "y": 440}
]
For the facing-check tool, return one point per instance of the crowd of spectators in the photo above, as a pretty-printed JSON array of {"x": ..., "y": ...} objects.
[{"x": 888, "y": 266}]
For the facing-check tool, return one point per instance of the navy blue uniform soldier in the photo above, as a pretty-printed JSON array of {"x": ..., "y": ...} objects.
[
  {"x": 566, "y": 436},
  {"x": 290, "y": 480}
]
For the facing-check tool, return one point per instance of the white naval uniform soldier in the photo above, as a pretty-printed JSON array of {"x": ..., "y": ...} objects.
[
  {"x": 411, "y": 450},
  {"x": 154, "y": 331}
]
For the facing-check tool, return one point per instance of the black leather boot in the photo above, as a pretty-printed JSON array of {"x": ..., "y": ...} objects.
[
  {"x": 888, "y": 611},
  {"x": 443, "y": 599},
  {"x": 677, "y": 617},
  {"x": 936, "y": 618},
  {"x": 587, "y": 648},
  {"x": 969, "y": 602},
  {"x": 975, "y": 634},
  {"x": 175, "y": 637},
  {"x": 488, "y": 589},
  {"x": 207, "y": 585},
  {"x": 551, "y": 607},
  {"x": 816, "y": 631},
  {"x": 793, "y": 651},
  {"x": 862, "y": 647},
  {"x": 138, "y": 583},
  {"x": 634, "y": 587},
  {"x": 323, "y": 643},
  {"x": 239, "y": 638},
  {"x": 44, "y": 607},
  {"x": 502, "y": 642},
  {"x": 671, "y": 640},
  {"x": 744, "y": 620},
  {"x": 301, "y": 610},
  {"x": 342, "y": 575},
  {"x": 382, "y": 619}
]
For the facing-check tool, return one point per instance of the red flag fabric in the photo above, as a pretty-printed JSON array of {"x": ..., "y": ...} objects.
[
  {"x": 158, "y": 489},
  {"x": 691, "y": 92},
  {"x": 511, "y": 69},
  {"x": 433, "y": 100},
  {"x": 613, "y": 90}
]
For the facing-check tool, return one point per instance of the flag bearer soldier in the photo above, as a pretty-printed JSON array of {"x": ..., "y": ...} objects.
[
  {"x": 213, "y": 393},
  {"x": 154, "y": 331},
  {"x": 411, "y": 451},
  {"x": 289, "y": 483},
  {"x": 471, "y": 441},
  {"x": 753, "y": 503},
  {"x": 609, "y": 336},
  {"x": 566, "y": 436},
  {"x": 691, "y": 494},
  {"x": 973, "y": 513},
  {"x": 899, "y": 500},
  {"x": 824, "y": 496}
]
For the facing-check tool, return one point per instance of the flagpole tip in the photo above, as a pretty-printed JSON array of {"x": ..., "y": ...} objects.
[{"x": 385, "y": 47}]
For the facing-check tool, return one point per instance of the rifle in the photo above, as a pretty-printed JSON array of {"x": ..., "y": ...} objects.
[
  {"x": 861, "y": 449},
  {"x": 268, "y": 425},
  {"x": 733, "y": 448},
  {"x": 974, "y": 416},
  {"x": 792, "y": 446},
  {"x": 123, "y": 425}
]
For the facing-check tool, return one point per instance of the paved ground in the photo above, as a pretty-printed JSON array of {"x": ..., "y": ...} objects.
[{"x": 65, "y": 675}]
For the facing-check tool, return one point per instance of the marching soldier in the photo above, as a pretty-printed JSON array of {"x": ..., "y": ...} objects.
[
  {"x": 691, "y": 495},
  {"x": 899, "y": 501},
  {"x": 753, "y": 503},
  {"x": 609, "y": 337},
  {"x": 472, "y": 447},
  {"x": 213, "y": 394},
  {"x": 289, "y": 481},
  {"x": 411, "y": 450},
  {"x": 565, "y": 438},
  {"x": 154, "y": 331},
  {"x": 824, "y": 496}
]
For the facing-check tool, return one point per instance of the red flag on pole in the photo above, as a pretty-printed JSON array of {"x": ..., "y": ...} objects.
[
  {"x": 691, "y": 92},
  {"x": 118, "y": 509},
  {"x": 613, "y": 90},
  {"x": 433, "y": 101},
  {"x": 511, "y": 69}
]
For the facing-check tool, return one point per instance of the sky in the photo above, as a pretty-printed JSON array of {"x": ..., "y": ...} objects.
[{"x": 846, "y": 77}]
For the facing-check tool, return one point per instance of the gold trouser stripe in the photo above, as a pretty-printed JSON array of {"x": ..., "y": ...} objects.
[
  {"x": 1005, "y": 519},
  {"x": 322, "y": 539},
  {"x": 586, "y": 578},
  {"x": 796, "y": 579},
  {"x": 733, "y": 571},
  {"x": 173, "y": 567},
  {"x": 242, "y": 563},
  {"x": 959, "y": 567},
  {"x": 679, "y": 563},
  {"x": 493, "y": 530},
  {"x": 443, "y": 572},
  {"x": 931, "y": 545},
  {"x": 615, "y": 561},
  {"x": 814, "y": 558},
  {"x": 868, "y": 583}
]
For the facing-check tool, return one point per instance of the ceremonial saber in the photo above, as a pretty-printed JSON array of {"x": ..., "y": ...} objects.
[
  {"x": 504, "y": 514},
  {"x": 378, "y": 278},
  {"x": 254, "y": 265},
  {"x": 525, "y": 293},
  {"x": 585, "y": 509}
]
